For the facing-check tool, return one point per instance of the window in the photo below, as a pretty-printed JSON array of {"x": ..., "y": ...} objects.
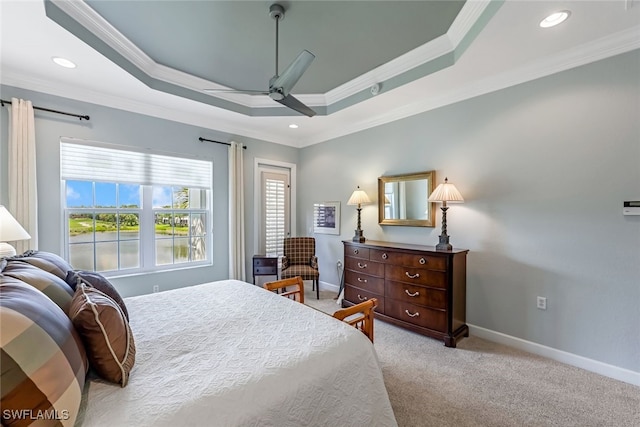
[{"x": 131, "y": 211}]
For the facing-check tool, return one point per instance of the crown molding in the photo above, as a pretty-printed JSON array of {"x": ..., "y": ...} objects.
[
  {"x": 605, "y": 47},
  {"x": 89, "y": 19},
  {"x": 615, "y": 44},
  {"x": 207, "y": 121}
]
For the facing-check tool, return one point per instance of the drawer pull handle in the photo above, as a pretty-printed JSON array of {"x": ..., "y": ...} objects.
[
  {"x": 361, "y": 298},
  {"x": 416, "y": 314},
  {"x": 362, "y": 265},
  {"x": 422, "y": 261},
  {"x": 385, "y": 256},
  {"x": 415, "y": 294},
  {"x": 362, "y": 280},
  {"x": 412, "y": 276},
  {"x": 355, "y": 251}
]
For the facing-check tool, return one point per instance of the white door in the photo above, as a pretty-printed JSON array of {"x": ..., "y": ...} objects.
[{"x": 275, "y": 204}]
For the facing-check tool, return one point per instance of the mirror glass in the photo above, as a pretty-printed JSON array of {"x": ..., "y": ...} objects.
[{"x": 403, "y": 200}]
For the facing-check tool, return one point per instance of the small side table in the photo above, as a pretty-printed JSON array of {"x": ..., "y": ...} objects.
[{"x": 264, "y": 266}]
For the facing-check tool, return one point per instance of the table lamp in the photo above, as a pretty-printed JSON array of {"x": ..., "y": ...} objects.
[
  {"x": 358, "y": 198},
  {"x": 10, "y": 231},
  {"x": 445, "y": 192}
]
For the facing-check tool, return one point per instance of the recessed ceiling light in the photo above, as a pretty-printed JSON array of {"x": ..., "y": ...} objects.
[
  {"x": 63, "y": 62},
  {"x": 293, "y": 126},
  {"x": 555, "y": 19}
]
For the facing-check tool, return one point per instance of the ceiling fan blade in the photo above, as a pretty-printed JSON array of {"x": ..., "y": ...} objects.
[
  {"x": 295, "y": 104},
  {"x": 249, "y": 92},
  {"x": 294, "y": 71}
]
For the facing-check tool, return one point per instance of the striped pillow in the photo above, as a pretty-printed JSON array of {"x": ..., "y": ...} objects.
[
  {"x": 106, "y": 333},
  {"x": 46, "y": 261},
  {"x": 43, "y": 360},
  {"x": 48, "y": 283}
]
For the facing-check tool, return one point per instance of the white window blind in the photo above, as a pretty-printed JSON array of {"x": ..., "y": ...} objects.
[
  {"x": 275, "y": 215},
  {"x": 86, "y": 161}
]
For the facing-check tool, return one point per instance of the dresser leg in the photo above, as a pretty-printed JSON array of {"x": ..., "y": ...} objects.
[{"x": 452, "y": 340}]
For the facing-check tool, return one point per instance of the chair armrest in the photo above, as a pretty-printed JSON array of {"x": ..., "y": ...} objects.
[
  {"x": 314, "y": 262},
  {"x": 285, "y": 262},
  {"x": 364, "y": 307}
]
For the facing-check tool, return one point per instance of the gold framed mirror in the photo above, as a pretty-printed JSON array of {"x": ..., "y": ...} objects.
[{"x": 404, "y": 200}]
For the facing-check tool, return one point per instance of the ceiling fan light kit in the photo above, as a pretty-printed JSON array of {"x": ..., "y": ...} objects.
[{"x": 280, "y": 85}]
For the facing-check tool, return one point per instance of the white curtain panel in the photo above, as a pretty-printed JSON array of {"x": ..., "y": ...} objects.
[
  {"x": 23, "y": 195},
  {"x": 236, "y": 213}
]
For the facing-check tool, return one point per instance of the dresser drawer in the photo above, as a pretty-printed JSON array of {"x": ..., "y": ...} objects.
[
  {"x": 417, "y": 315},
  {"x": 265, "y": 262},
  {"x": 409, "y": 260},
  {"x": 265, "y": 271},
  {"x": 356, "y": 252},
  {"x": 357, "y": 295},
  {"x": 364, "y": 281},
  {"x": 364, "y": 266},
  {"x": 417, "y": 276},
  {"x": 265, "y": 266},
  {"x": 419, "y": 295}
]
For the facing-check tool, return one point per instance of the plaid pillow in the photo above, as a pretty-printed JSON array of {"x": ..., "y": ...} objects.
[
  {"x": 43, "y": 360},
  {"x": 46, "y": 261},
  {"x": 48, "y": 283}
]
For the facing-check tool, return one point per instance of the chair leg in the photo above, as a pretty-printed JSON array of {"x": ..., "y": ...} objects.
[{"x": 317, "y": 288}]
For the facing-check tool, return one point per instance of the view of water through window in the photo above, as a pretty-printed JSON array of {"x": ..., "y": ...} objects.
[{"x": 104, "y": 225}]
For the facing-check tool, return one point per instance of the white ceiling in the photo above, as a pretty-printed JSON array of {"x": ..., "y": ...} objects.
[{"x": 510, "y": 49}]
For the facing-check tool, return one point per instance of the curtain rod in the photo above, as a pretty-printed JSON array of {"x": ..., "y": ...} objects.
[
  {"x": 80, "y": 116},
  {"x": 201, "y": 139}
]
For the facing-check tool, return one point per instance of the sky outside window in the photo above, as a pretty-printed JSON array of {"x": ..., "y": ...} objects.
[{"x": 80, "y": 194}]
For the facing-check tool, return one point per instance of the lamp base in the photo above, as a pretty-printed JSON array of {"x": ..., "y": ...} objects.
[
  {"x": 6, "y": 250},
  {"x": 444, "y": 244},
  {"x": 358, "y": 237}
]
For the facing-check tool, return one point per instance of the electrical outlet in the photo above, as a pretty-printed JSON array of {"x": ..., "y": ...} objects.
[
  {"x": 156, "y": 288},
  {"x": 542, "y": 303}
]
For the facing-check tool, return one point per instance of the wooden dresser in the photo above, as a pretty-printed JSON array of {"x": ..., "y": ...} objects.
[{"x": 417, "y": 287}]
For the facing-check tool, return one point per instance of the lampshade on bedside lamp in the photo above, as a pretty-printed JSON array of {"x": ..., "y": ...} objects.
[
  {"x": 359, "y": 198},
  {"x": 445, "y": 192},
  {"x": 10, "y": 231}
]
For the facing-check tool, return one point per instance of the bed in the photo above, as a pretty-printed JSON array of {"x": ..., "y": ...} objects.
[
  {"x": 228, "y": 353},
  {"x": 225, "y": 353}
]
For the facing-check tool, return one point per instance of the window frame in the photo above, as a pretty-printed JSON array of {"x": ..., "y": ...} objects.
[{"x": 147, "y": 236}]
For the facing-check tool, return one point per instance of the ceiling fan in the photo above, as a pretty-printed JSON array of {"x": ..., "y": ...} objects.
[{"x": 280, "y": 85}]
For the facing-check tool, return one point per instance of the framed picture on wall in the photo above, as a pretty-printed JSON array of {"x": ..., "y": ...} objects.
[{"x": 326, "y": 218}]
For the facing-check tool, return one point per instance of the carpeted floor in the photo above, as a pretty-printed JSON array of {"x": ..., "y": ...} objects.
[{"x": 481, "y": 383}]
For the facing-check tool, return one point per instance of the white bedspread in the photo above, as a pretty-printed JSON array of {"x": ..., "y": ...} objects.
[{"x": 231, "y": 354}]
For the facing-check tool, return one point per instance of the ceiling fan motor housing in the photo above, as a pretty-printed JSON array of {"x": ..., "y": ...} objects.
[{"x": 276, "y": 12}]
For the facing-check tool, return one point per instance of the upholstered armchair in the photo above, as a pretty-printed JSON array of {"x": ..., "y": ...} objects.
[{"x": 300, "y": 260}]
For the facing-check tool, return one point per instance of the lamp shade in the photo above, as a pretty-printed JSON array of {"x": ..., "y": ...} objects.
[
  {"x": 10, "y": 229},
  {"x": 446, "y": 192},
  {"x": 359, "y": 197}
]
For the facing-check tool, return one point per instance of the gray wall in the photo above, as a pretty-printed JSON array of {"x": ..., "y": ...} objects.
[
  {"x": 136, "y": 130},
  {"x": 544, "y": 168}
]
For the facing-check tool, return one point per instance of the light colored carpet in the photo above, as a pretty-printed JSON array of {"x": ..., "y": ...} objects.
[{"x": 481, "y": 383}]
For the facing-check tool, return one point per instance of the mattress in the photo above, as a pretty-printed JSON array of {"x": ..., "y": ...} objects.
[{"x": 228, "y": 353}]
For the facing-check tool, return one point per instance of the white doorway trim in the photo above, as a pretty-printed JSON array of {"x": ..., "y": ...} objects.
[{"x": 266, "y": 163}]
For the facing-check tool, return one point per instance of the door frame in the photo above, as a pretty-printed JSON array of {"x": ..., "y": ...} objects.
[{"x": 259, "y": 163}]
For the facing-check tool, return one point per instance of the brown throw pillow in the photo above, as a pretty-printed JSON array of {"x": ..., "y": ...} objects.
[
  {"x": 99, "y": 282},
  {"x": 106, "y": 333}
]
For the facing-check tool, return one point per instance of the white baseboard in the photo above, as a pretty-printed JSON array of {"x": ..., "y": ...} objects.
[
  {"x": 611, "y": 371},
  {"x": 325, "y": 286}
]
